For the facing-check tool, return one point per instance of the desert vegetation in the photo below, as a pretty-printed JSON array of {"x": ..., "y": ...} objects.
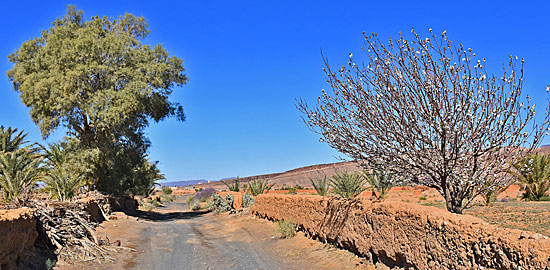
[
  {"x": 533, "y": 172},
  {"x": 235, "y": 185},
  {"x": 320, "y": 185},
  {"x": 259, "y": 186},
  {"x": 102, "y": 105},
  {"x": 348, "y": 185},
  {"x": 428, "y": 110}
]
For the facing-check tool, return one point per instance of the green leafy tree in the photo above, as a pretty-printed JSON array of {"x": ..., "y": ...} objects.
[
  {"x": 99, "y": 81},
  {"x": 533, "y": 172},
  {"x": 348, "y": 185}
]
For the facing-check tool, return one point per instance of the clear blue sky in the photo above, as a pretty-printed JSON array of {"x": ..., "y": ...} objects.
[{"x": 248, "y": 61}]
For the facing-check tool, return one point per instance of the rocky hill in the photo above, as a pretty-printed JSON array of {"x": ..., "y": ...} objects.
[{"x": 299, "y": 176}]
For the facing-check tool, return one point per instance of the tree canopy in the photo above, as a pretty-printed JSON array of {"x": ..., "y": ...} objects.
[
  {"x": 428, "y": 109},
  {"x": 99, "y": 81}
]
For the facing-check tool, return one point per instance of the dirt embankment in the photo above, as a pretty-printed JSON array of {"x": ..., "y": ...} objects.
[
  {"x": 17, "y": 236},
  {"x": 407, "y": 235}
]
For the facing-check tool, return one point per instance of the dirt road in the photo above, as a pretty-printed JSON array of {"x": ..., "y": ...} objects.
[
  {"x": 195, "y": 241},
  {"x": 173, "y": 237}
]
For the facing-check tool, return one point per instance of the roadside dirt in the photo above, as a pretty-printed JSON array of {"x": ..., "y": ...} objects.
[{"x": 173, "y": 237}]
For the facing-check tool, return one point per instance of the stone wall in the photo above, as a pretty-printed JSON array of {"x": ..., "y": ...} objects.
[{"x": 407, "y": 235}]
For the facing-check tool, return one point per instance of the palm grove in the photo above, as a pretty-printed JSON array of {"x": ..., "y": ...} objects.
[{"x": 95, "y": 80}]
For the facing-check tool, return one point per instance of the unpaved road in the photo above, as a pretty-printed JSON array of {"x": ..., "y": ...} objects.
[
  {"x": 184, "y": 240},
  {"x": 173, "y": 237}
]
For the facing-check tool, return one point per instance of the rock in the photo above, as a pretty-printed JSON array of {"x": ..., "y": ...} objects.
[{"x": 524, "y": 235}]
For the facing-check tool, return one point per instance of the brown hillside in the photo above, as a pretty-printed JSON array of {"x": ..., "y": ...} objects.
[{"x": 299, "y": 176}]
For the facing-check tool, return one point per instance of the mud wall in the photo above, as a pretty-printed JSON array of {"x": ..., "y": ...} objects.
[
  {"x": 17, "y": 236},
  {"x": 407, "y": 235},
  {"x": 237, "y": 198}
]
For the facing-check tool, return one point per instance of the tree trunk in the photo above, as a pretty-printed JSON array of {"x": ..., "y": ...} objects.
[{"x": 454, "y": 204}]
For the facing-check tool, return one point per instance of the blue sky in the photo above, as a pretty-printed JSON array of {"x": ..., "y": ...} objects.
[{"x": 247, "y": 61}]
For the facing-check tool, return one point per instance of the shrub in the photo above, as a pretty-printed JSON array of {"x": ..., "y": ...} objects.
[
  {"x": 423, "y": 198},
  {"x": 166, "y": 190},
  {"x": 348, "y": 185},
  {"x": 190, "y": 199},
  {"x": 219, "y": 205},
  {"x": 234, "y": 186},
  {"x": 229, "y": 199},
  {"x": 320, "y": 184},
  {"x": 247, "y": 200},
  {"x": 292, "y": 190},
  {"x": 533, "y": 172},
  {"x": 286, "y": 229},
  {"x": 167, "y": 197},
  {"x": 204, "y": 194},
  {"x": 155, "y": 203},
  {"x": 259, "y": 186},
  {"x": 491, "y": 193},
  {"x": 381, "y": 182},
  {"x": 196, "y": 206},
  {"x": 147, "y": 206},
  {"x": 50, "y": 264}
]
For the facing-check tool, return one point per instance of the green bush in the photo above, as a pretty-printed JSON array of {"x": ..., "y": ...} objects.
[
  {"x": 147, "y": 206},
  {"x": 219, "y": 204},
  {"x": 533, "y": 172},
  {"x": 381, "y": 183},
  {"x": 247, "y": 200},
  {"x": 155, "y": 203},
  {"x": 286, "y": 229},
  {"x": 234, "y": 186},
  {"x": 166, "y": 190},
  {"x": 423, "y": 198},
  {"x": 258, "y": 187},
  {"x": 348, "y": 185},
  {"x": 320, "y": 184},
  {"x": 50, "y": 264},
  {"x": 167, "y": 197}
]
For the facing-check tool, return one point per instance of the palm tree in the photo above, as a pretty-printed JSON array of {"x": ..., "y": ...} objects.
[
  {"x": 533, "y": 172},
  {"x": 320, "y": 184},
  {"x": 63, "y": 184},
  {"x": 11, "y": 140},
  {"x": 348, "y": 185},
  {"x": 381, "y": 182},
  {"x": 259, "y": 186},
  {"x": 19, "y": 171}
]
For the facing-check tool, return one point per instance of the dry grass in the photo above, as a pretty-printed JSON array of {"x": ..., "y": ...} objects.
[{"x": 530, "y": 216}]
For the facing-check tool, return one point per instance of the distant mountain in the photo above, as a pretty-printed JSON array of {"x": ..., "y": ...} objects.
[
  {"x": 300, "y": 176},
  {"x": 184, "y": 183}
]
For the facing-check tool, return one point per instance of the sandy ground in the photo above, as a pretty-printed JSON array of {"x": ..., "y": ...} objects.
[{"x": 174, "y": 238}]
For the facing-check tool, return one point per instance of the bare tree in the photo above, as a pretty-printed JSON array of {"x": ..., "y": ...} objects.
[{"x": 429, "y": 110}]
